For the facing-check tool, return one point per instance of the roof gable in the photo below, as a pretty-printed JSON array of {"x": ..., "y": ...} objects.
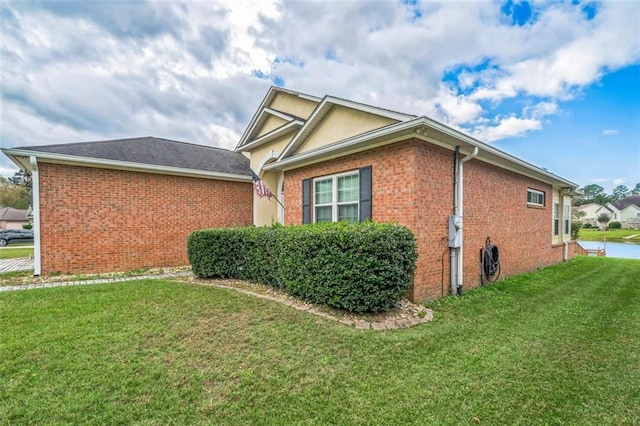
[
  {"x": 289, "y": 106},
  {"x": 336, "y": 119}
]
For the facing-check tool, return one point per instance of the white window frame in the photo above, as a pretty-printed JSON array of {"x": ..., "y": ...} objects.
[
  {"x": 566, "y": 219},
  {"x": 334, "y": 195},
  {"x": 556, "y": 219},
  {"x": 538, "y": 193}
]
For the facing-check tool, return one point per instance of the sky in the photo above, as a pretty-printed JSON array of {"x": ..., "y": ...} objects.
[{"x": 554, "y": 83}]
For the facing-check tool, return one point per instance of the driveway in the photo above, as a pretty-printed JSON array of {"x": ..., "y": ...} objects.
[{"x": 19, "y": 264}]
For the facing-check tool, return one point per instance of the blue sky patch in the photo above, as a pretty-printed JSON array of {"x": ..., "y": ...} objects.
[
  {"x": 590, "y": 10},
  {"x": 278, "y": 81},
  {"x": 520, "y": 12},
  {"x": 289, "y": 60},
  {"x": 452, "y": 75},
  {"x": 412, "y": 6}
]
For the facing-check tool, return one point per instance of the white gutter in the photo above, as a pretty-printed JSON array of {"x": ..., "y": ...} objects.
[
  {"x": 123, "y": 165},
  {"x": 407, "y": 126},
  {"x": 460, "y": 212},
  {"x": 35, "y": 192}
]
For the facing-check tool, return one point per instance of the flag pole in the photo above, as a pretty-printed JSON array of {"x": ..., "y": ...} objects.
[{"x": 256, "y": 178}]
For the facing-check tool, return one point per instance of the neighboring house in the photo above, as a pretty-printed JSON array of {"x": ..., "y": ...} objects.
[
  {"x": 11, "y": 218},
  {"x": 593, "y": 210},
  {"x": 131, "y": 203},
  {"x": 627, "y": 211},
  {"x": 329, "y": 159}
]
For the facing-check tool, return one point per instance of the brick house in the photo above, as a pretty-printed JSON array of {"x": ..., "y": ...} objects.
[
  {"x": 128, "y": 204},
  {"x": 329, "y": 159}
]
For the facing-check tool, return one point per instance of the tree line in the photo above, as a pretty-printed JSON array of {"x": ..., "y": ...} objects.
[
  {"x": 15, "y": 191},
  {"x": 596, "y": 194}
]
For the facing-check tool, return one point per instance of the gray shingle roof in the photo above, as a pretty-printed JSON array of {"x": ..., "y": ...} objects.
[
  {"x": 10, "y": 214},
  {"x": 155, "y": 151},
  {"x": 626, "y": 202}
]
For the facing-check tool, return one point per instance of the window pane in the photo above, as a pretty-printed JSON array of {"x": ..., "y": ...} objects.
[
  {"x": 323, "y": 191},
  {"x": 348, "y": 212},
  {"x": 348, "y": 188},
  {"x": 323, "y": 214}
]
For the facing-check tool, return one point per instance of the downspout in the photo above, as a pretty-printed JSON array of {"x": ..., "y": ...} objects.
[
  {"x": 565, "y": 252},
  {"x": 458, "y": 210},
  {"x": 35, "y": 188},
  {"x": 453, "y": 252},
  {"x": 473, "y": 154}
]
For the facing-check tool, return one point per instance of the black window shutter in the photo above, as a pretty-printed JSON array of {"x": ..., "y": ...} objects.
[
  {"x": 365, "y": 193},
  {"x": 306, "y": 200}
]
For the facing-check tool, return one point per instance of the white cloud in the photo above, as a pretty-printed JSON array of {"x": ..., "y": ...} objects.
[
  {"x": 609, "y": 132},
  {"x": 189, "y": 70},
  {"x": 619, "y": 181},
  {"x": 507, "y": 128}
]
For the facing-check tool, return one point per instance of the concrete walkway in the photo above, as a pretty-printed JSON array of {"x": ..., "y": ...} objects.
[
  {"x": 17, "y": 264},
  {"x": 93, "y": 281}
]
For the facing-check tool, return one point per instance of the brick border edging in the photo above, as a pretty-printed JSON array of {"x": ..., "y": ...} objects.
[
  {"x": 390, "y": 324},
  {"x": 360, "y": 325}
]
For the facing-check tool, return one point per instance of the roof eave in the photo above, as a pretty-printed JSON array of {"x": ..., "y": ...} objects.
[
  {"x": 21, "y": 158},
  {"x": 421, "y": 128}
]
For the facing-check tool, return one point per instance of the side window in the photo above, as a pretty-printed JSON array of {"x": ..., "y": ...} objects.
[
  {"x": 344, "y": 196},
  {"x": 336, "y": 198},
  {"x": 535, "y": 197},
  {"x": 566, "y": 219}
]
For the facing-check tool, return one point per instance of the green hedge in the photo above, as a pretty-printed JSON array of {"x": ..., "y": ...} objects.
[
  {"x": 361, "y": 267},
  {"x": 614, "y": 225}
]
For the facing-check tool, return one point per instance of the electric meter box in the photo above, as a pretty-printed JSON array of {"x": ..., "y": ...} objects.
[{"x": 455, "y": 231}]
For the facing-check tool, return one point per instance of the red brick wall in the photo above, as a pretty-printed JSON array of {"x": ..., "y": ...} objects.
[
  {"x": 413, "y": 185},
  {"x": 99, "y": 220},
  {"x": 495, "y": 206}
]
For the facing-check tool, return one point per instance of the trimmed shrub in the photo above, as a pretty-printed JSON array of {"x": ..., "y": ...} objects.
[
  {"x": 587, "y": 225},
  {"x": 360, "y": 267},
  {"x": 614, "y": 225}
]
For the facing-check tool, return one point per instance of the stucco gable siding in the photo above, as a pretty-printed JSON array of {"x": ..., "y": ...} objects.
[
  {"x": 341, "y": 123},
  {"x": 293, "y": 105},
  {"x": 270, "y": 124}
]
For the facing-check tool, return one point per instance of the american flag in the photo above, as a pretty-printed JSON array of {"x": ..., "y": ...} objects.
[{"x": 261, "y": 189}]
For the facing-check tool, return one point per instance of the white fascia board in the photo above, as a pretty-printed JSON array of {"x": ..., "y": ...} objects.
[
  {"x": 420, "y": 128},
  {"x": 370, "y": 109},
  {"x": 73, "y": 160},
  {"x": 276, "y": 133},
  {"x": 279, "y": 114},
  {"x": 267, "y": 99},
  {"x": 312, "y": 118},
  {"x": 503, "y": 155}
]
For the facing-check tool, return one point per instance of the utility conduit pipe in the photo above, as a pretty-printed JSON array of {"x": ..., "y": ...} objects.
[{"x": 458, "y": 210}]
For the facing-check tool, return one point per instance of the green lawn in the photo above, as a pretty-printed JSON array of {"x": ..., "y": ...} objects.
[
  {"x": 559, "y": 346},
  {"x": 12, "y": 252},
  {"x": 615, "y": 235}
]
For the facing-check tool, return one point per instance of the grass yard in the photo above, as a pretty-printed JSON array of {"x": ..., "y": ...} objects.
[
  {"x": 558, "y": 346},
  {"x": 13, "y": 252},
  {"x": 614, "y": 235}
]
